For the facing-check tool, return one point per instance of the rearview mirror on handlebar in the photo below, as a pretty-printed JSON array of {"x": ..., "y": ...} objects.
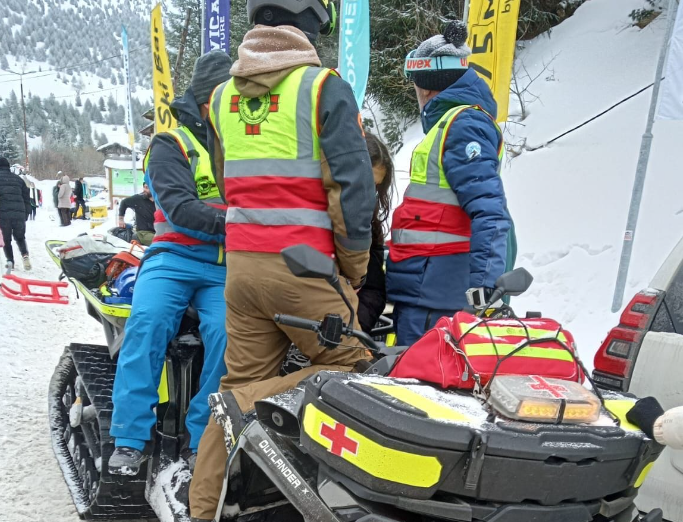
[
  {"x": 515, "y": 282},
  {"x": 305, "y": 261}
]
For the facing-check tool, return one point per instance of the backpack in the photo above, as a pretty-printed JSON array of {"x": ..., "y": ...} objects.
[
  {"x": 86, "y": 258},
  {"x": 123, "y": 233}
]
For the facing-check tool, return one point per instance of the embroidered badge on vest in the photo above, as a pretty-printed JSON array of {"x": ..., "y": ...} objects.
[{"x": 254, "y": 111}]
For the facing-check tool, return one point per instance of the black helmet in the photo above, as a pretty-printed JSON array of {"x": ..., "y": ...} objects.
[{"x": 323, "y": 9}]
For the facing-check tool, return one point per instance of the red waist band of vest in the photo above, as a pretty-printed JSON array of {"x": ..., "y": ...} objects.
[
  {"x": 276, "y": 192},
  {"x": 428, "y": 216},
  {"x": 272, "y": 239},
  {"x": 178, "y": 237}
]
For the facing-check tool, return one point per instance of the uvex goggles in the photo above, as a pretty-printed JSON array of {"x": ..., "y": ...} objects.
[{"x": 432, "y": 63}]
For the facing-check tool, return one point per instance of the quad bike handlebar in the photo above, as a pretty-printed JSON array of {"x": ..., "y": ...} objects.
[{"x": 330, "y": 331}]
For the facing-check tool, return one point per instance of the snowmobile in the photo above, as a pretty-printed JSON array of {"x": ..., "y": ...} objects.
[
  {"x": 80, "y": 408},
  {"x": 371, "y": 448}
]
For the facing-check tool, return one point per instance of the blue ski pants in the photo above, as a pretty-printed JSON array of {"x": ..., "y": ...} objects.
[
  {"x": 166, "y": 285},
  {"x": 411, "y": 322}
]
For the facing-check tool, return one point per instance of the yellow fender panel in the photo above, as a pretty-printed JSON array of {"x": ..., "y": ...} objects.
[
  {"x": 419, "y": 471},
  {"x": 433, "y": 409},
  {"x": 620, "y": 408}
]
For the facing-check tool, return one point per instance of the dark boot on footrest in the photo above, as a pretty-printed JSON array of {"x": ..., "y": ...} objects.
[{"x": 127, "y": 461}]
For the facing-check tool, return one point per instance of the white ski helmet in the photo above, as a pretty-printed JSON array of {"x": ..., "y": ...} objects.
[{"x": 324, "y": 9}]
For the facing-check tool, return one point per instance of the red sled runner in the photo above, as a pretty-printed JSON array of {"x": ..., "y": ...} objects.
[{"x": 30, "y": 290}]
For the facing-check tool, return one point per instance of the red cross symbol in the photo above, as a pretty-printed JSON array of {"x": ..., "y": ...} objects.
[
  {"x": 254, "y": 129},
  {"x": 337, "y": 436},
  {"x": 541, "y": 384}
]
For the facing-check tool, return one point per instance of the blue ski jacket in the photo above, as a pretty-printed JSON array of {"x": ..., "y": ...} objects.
[{"x": 440, "y": 282}]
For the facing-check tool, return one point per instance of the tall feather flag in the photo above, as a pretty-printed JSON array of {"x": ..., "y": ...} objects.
[
  {"x": 161, "y": 75},
  {"x": 126, "y": 75},
  {"x": 354, "y": 45},
  {"x": 492, "y": 26},
  {"x": 216, "y": 25}
]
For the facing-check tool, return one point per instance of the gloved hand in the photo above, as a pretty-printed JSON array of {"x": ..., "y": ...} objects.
[
  {"x": 478, "y": 298},
  {"x": 668, "y": 428},
  {"x": 644, "y": 414}
]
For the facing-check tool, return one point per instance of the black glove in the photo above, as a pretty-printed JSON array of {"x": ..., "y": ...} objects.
[{"x": 644, "y": 414}]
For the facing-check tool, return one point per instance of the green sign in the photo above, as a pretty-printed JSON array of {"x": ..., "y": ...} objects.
[{"x": 122, "y": 181}]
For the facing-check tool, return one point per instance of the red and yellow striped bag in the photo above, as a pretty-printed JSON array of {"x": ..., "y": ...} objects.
[{"x": 463, "y": 349}]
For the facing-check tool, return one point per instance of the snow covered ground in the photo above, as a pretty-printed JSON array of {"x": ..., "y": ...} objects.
[
  {"x": 569, "y": 202},
  {"x": 32, "y": 337}
]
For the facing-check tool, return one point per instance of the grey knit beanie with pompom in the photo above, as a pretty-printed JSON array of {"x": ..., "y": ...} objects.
[{"x": 453, "y": 42}]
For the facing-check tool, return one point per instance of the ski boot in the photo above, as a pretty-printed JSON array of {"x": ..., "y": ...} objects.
[{"x": 127, "y": 461}]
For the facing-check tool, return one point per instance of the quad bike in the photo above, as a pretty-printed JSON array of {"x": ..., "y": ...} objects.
[
  {"x": 345, "y": 447},
  {"x": 370, "y": 448}
]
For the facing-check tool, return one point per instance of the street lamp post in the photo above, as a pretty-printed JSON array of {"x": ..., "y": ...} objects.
[{"x": 23, "y": 110}]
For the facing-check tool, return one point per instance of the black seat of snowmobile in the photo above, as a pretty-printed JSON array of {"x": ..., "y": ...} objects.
[{"x": 192, "y": 313}]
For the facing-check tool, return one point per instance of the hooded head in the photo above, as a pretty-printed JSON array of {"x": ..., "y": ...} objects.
[
  {"x": 65, "y": 179},
  {"x": 210, "y": 70},
  {"x": 312, "y": 17},
  {"x": 4, "y": 163}
]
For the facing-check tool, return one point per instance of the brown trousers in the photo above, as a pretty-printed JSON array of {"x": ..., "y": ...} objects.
[
  {"x": 65, "y": 216},
  {"x": 259, "y": 286}
]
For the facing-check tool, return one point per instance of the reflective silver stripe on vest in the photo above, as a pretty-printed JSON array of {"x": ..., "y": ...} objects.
[
  {"x": 279, "y": 217},
  {"x": 432, "y": 193},
  {"x": 163, "y": 228},
  {"x": 217, "y": 99},
  {"x": 304, "y": 113},
  {"x": 420, "y": 237},
  {"x": 302, "y": 168},
  {"x": 190, "y": 148}
]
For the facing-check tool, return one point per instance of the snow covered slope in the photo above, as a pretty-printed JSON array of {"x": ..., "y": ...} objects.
[
  {"x": 570, "y": 200},
  {"x": 70, "y": 50}
]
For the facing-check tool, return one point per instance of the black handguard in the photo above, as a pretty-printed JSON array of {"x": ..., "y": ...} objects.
[{"x": 644, "y": 414}]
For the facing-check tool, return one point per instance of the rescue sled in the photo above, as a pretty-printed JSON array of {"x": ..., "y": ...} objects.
[{"x": 33, "y": 290}]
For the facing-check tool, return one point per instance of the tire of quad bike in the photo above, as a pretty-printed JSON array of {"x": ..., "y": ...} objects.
[{"x": 83, "y": 452}]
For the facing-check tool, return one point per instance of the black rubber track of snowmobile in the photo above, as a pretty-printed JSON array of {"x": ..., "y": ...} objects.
[{"x": 114, "y": 497}]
